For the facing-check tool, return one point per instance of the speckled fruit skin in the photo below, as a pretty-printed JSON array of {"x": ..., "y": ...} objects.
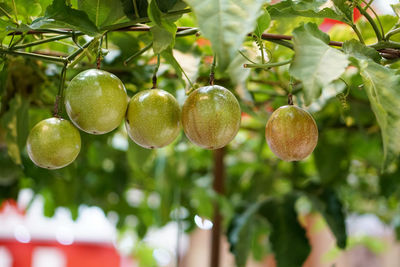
[
  {"x": 211, "y": 117},
  {"x": 96, "y": 101},
  {"x": 153, "y": 118},
  {"x": 53, "y": 143},
  {"x": 291, "y": 133}
]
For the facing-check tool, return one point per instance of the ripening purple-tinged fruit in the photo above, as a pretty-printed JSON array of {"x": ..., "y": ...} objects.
[
  {"x": 291, "y": 133},
  {"x": 211, "y": 117}
]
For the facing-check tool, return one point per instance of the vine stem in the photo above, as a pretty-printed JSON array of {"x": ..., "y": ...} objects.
[
  {"x": 15, "y": 12},
  {"x": 391, "y": 33},
  {"x": 212, "y": 70},
  {"x": 358, "y": 33},
  {"x": 138, "y": 53},
  {"x": 33, "y": 55},
  {"x": 154, "y": 78},
  {"x": 372, "y": 22},
  {"x": 59, "y": 97},
  {"x": 99, "y": 54},
  {"x": 268, "y": 65},
  {"x": 43, "y": 41}
]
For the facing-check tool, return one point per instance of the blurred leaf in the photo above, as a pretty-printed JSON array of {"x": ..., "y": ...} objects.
[
  {"x": 344, "y": 8},
  {"x": 329, "y": 205},
  {"x": 59, "y": 15},
  {"x": 226, "y": 23},
  {"x": 287, "y": 233},
  {"x": 331, "y": 156},
  {"x": 240, "y": 234},
  {"x": 102, "y": 12},
  {"x": 16, "y": 122},
  {"x": 315, "y": 63}
]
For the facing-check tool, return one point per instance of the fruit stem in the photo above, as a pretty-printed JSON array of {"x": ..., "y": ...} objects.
[
  {"x": 212, "y": 71},
  {"x": 138, "y": 53},
  {"x": 99, "y": 54},
  {"x": 59, "y": 97},
  {"x": 154, "y": 79},
  {"x": 268, "y": 65},
  {"x": 290, "y": 99}
]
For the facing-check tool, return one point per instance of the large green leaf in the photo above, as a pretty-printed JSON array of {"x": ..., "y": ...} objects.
[
  {"x": 315, "y": 63},
  {"x": 59, "y": 15},
  {"x": 311, "y": 9},
  {"x": 288, "y": 238},
  {"x": 163, "y": 31},
  {"x": 383, "y": 90},
  {"x": 102, "y": 12},
  {"x": 327, "y": 202},
  {"x": 226, "y": 23},
  {"x": 382, "y": 85},
  {"x": 262, "y": 24}
]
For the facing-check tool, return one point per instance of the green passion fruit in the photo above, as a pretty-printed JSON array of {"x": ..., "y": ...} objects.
[
  {"x": 53, "y": 143},
  {"x": 96, "y": 101},
  {"x": 211, "y": 117},
  {"x": 291, "y": 133},
  {"x": 153, "y": 118}
]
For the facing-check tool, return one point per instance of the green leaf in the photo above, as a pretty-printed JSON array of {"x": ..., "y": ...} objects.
[
  {"x": 311, "y": 9},
  {"x": 345, "y": 9},
  {"x": 226, "y": 23},
  {"x": 383, "y": 89},
  {"x": 263, "y": 22},
  {"x": 102, "y": 12},
  {"x": 331, "y": 156},
  {"x": 358, "y": 50},
  {"x": 240, "y": 234},
  {"x": 4, "y": 25},
  {"x": 164, "y": 30},
  {"x": 288, "y": 238},
  {"x": 16, "y": 123},
  {"x": 59, "y": 15},
  {"x": 129, "y": 8},
  {"x": 330, "y": 206},
  {"x": 315, "y": 63}
]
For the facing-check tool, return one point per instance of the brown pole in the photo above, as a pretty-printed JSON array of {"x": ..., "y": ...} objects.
[{"x": 218, "y": 185}]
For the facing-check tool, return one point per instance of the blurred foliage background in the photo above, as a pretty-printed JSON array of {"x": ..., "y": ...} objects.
[{"x": 263, "y": 195}]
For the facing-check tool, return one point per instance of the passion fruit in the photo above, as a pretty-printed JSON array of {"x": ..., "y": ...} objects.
[
  {"x": 53, "y": 143},
  {"x": 291, "y": 133},
  {"x": 211, "y": 117},
  {"x": 96, "y": 101},
  {"x": 153, "y": 118}
]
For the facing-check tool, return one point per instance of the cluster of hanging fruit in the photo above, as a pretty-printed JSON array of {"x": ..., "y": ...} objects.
[{"x": 96, "y": 102}]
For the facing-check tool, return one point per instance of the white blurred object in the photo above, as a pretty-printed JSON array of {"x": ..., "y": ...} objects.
[
  {"x": 5, "y": 257},
  {"x": 203, "y": 224},
  {"x": 383, "y": 6},
  {"x": 48, "y": 257},
  {"x": 366, "y": 225}
]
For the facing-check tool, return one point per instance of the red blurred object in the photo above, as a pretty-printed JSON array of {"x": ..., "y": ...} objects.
[
  {"x": 327, "y": 24},
  {"x": 75, "y": 255}
]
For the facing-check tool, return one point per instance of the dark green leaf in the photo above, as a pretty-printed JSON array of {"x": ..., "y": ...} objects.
[
  {"x": 287, "y": 233},
  {"x": 330, "y": 206},
  {"x": 315, "y": 63},
  {"x": 129, "y": 8},
  {"x": 59, "y": 15},
  {"x": 240, "y": 234},
  {"x": 102, "y": 12}
]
